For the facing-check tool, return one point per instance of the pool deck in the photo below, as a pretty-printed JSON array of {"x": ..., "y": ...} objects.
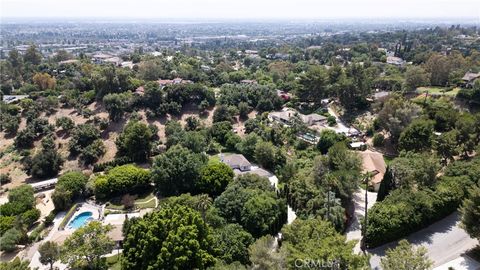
[{"x": 86, "y": 207}]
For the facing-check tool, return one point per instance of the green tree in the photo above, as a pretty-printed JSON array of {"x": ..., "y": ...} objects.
[
  {"x": 85, "y": 248},
  {"x": 396, "y": 114},
  {"x": 135, "y": 141},
  {"x": 250, "y": 201},
  {"x": 16, "y": 264},
  {"x": 214, "y": 178},
  {"x": 446, "y": 146},
  {"x": 233, "y": 241},
  {"x": 65, "y": 123},
  {"x": 47, "y": 162},
  {"x": 221, "y": 114},
  {"x": 117, "y": 104},
  {"x": 195, "y": 141},
  {"x": 70, "y": 185},
  {"x": 406, "y": 257},
  {"x": 171, "y": 238},
  {"x": 82, "y": 136},
  {"x": 49, "y": 253},
  {"x": 378, "y": 140},
  {"x": 465, "y": 126},
  {"x": 121, "y": 180},
  {"x": 327, "y": 139},
  {"x": 247, "y": 145},
  {"x": 10, "y": 239},
  {"x": 177, "y": 170},
  {"x": 317, "y": 238},
  {"x": 192, "y": 123},
  {"x": 264, "y": 256},
  {"x": 417, "y": 136},
  {"x": 23, "y": 195},
  {"x": 243, "y": 110},
  {"x": 415, "y": 76},
  {"x": 471, "y": 212},
  {"x": 62, "y": 198},
  {"x": 92, "y": 152},
  {"x": 74, "y": 181},
  {"x": 265, "y": 154},
  {"x": 411, "y": 169},
  {"x": 313, "y": 85},
  {"x": 32, "y": 55}
]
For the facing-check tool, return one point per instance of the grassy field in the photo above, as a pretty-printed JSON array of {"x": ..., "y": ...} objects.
[{"x": 440, "y": 91}]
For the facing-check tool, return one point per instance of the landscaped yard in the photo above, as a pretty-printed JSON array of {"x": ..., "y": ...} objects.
[
  {"x": 442, "y": 91},
  {"x": 146, "y": 200}
]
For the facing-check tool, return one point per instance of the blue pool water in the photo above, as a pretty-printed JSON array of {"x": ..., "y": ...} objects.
[{"x": 80, "y": 220}]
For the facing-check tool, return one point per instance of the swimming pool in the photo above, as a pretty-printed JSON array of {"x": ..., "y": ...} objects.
[{"x": 80, "y": 220}]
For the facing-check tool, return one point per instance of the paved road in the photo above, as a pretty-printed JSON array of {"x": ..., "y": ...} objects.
[
  {"x": 32, "y": 253},
  {"x": 354, "y": 231},
  {"x": 340, "y": 127},
  {"x": 444, "y": 240},
  {"x": 462, "y": 262}
]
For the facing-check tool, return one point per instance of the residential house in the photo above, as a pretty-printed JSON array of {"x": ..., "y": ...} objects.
[
  {"x": 469, "y": 79},
  {"x": 248, "y": 82},
  {"x": 236, "y": 162},
  {"x": 127, "y": 64},
  {"x": 373, "y": 163},
  {"x": 284, "y": 95},
  {"x": 71, "y": 61},
  {"x": 117, "y": 61},
  {"x": 283, "y": 117},
  {"x": 13, "y": 98},
  {"x": 358, "y": 145},
  {"x": 314, "y": 119},
  {"x": 397, "y": 61},
  {"x": 174, "y": 81},
  {"x": 100, "y": 58}
]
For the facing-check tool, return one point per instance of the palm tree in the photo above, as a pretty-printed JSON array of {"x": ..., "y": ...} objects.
[{"x": 202, "y": 204}]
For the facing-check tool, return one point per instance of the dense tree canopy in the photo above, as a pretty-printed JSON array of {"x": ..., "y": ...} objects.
[
  {"x": 177, "y": 170},
  {"x": 214, "y": 178},
  {"x": 121, "y": 180},
  {"x": 316, "y": 239},
  {"x": 85, "y": 248},
  {"x": 135, "y": 141},
  {"x": 171, "y": 238}
]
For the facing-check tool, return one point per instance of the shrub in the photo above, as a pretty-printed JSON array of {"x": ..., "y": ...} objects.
[
  {"x": 10, "y": 239},
  {"x": 110, "y": 164},
  {"x": 5, "y": 178},
  {"x": 331, "y": 120},
  {"x": 120, "y": 180},
  {"x": 378, "y": 140}
]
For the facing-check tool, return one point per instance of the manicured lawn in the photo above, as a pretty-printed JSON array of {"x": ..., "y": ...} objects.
[
  {"x": 143, "y": 201},
  {"x": 148, "y": 204},
  {"x": 433, "y": 90},
  {"x": 144, "y": 198}
]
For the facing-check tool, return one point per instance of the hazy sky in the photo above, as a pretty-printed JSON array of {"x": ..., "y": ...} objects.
[{"x": 246, "y": 9}]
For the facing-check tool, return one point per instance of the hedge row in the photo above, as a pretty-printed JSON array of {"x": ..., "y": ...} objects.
[
  {"x": 68, "y": 216},
  {"x": 116, "y": 162},
  {"x": 405, "y": 211}
]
